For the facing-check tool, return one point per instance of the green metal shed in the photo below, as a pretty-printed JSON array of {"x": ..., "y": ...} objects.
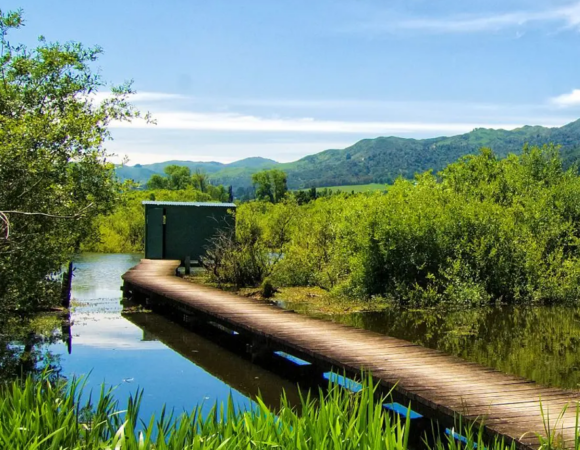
[{"x": 177, "y": 230}]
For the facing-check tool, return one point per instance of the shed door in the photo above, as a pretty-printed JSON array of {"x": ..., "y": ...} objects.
[{"x": 154, "y": 233}]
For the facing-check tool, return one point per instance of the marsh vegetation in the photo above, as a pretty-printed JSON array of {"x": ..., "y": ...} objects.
[{"x": 485, "y": 230}]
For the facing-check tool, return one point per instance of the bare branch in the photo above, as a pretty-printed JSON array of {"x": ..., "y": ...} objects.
[
  {"x": 52, "y": 216},
  {"x": 4, "y": 218}
]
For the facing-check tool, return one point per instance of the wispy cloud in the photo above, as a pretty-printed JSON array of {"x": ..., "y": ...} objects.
[
  {"x": 571, "y": 15},
  {"x": 225, "y": 152},
  {"x": 184, "y": 120},
  {"x": 110, "y": 331},
  {"x": 155, "y": 97},
  {"x": 139, "y": 97},
  {"x": 566, "y": 16},
  {"x": 228, "y": 129},
  {"x": 567, "y": 100},
  {"x": 470, "y": 24}
]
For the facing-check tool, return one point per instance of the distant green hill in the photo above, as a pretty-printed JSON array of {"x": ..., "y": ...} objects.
[
  {"x": 383, "y": 159},
  {"x": 142, "y": 172}
]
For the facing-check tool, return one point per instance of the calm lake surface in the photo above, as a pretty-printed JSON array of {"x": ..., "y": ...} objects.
[
  {"x": 172, "y": 365},
  {"x": 181, "y": 369},
  {"x": 539, "y": 343}
]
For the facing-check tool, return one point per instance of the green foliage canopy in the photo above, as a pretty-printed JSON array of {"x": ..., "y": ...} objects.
[
  {"x": 54, "y": 176},
  {"x": 271, "y": 185},
  {"x": 179, "y": 178},
  {"x": 484, "y": 230}
]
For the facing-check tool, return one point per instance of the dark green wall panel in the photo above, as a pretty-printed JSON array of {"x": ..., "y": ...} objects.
[
  {"x": 154, "y": 233},
  {"x": 189, "y": 229}
]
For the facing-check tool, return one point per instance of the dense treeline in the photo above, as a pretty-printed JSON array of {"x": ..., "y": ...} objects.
[
  {"x": 123, "y": 230},
  {"x": 180, "y": 177},
  {"x": 270, "y": 185},
  {"x": 483, "y": 230}
]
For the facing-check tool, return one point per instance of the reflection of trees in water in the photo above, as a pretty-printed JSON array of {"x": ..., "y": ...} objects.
[
  {"x": 24, "y": 345},
  {"x": 539, "y": 343}
]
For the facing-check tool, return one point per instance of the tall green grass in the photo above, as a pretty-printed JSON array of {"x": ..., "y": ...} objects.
[{"x": 44, "y": 414}]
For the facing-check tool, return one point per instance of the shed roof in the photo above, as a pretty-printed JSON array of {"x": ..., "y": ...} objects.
[{"x": 211, "y": 204}]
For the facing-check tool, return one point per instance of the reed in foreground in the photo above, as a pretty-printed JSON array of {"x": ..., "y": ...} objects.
[{"x": 44, "y": 414}]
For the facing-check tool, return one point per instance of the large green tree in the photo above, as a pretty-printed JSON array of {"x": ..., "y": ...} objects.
[
  {"x": 180, "y": 178},
  {"x": 54, "y": 174},
  {"x": 270, "y": 185}
]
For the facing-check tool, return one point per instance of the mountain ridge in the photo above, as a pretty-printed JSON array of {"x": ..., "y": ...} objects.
[
  {"x": 142, "y": 172},
  {"x": 379, "y": 160}
]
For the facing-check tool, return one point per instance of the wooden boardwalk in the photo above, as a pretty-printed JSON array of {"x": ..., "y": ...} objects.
[{"x": 437, "y": 385}]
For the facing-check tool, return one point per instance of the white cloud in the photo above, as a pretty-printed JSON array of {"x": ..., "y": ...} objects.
[
  {"x": 109, "y": 330},
  {"x": 566, "y": 100},
  {"x": 224, "y": 152},
  {"x": 184, "y": 120},
  {"x": 200, "y": 129},
  {"x": 571, "y": 15},
  {"x": 469, "y": 24},
  {"x": 154, "y": 97},
  {"x": 568, "y": 16}
]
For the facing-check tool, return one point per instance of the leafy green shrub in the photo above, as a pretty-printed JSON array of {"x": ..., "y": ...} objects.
[
  {"x": 483, "y": 230},
  {"x": 242, "y": 259}
]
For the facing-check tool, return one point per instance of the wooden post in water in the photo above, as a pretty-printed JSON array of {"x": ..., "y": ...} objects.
[
  {"x": 66, "y": 286},
  {"x": 66, "y": 331},
  {"x": 187, "y": 265}
]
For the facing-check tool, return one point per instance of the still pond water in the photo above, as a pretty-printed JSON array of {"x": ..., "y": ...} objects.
[
  {"x": 181, "y": 369},
  {"x": 145, "y": 351},
  {"x": 538, "y": 343}
]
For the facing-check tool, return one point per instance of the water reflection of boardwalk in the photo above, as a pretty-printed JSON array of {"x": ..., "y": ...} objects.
[
  {"x": 236, "y": 372},
  {"x": 438, "y": 385}
]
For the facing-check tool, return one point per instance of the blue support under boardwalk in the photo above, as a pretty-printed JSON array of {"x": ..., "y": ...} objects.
[
  {"x": 293, "y": 359},
  {"x": 224, "y": 329},
  {"x": 346, "y": 383},
  {"x": 402, "y": 410}
]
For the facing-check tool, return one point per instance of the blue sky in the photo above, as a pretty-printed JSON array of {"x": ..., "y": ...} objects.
[{"x": 228, "y": 79}]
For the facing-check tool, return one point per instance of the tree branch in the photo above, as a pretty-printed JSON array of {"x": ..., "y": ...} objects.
[
  {"x": 52, "y": 216},
  {"x": 5, "y": 220}
]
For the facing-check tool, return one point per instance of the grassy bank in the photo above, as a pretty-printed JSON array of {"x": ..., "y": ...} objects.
[
  {"x": 311, "y": 299},
  {"x": 44, "y": 414}
]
